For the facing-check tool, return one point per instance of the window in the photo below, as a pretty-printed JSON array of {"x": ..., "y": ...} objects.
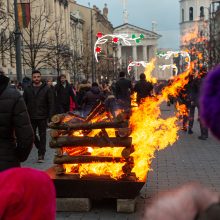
[
  {"x": 183, "y": 15},
  {"x": 202, "y": 15},
  {"x": 191, "y": 13}
]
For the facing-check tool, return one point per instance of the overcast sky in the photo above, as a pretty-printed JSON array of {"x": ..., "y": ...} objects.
[{"x": 142, "y": 13}]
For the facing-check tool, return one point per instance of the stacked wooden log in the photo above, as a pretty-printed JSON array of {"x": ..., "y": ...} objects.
[{"x": 63, "y": 127}]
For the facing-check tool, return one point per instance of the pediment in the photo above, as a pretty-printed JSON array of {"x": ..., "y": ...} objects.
[{"x": 128, "y": 28}]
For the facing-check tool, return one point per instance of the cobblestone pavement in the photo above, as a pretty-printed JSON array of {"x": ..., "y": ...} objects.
[{"x": 189, "y": 159}]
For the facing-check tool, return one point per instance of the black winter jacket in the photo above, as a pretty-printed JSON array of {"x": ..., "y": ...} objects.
[
  {"x": 123, "y": 89},
  {"x": 63, "y": 94},
  {"x": 143, "y": 89},
  {"x": 16, "y": 134},
  {"x": 41, "y": 104}
]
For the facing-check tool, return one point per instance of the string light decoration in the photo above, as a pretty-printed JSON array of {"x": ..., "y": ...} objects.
[
  {"x": 136, "y": 63},
  {"x": 173, "y": 66},
  {"x": 125, "y": 38},
  {"x": 167, "y": 55}
]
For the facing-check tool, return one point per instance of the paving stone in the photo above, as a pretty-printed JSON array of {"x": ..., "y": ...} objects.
[{"x": 126, "y": 205}]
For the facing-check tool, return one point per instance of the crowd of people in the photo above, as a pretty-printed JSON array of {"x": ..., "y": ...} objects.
[{"x": 44, "y": 98}]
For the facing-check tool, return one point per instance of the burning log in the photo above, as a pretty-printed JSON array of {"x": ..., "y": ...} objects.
[
  {"x": 99, "y": 109},
  {"x": 59, "y": 152},
  {"x": 59, "y": 169},
  {"x": 123, "y": 132},
  {"x": 91, "y": 141},
  {"x": 89, "y": 126},
  {"x": 56, "y": 119},
  {"x": 86, "y": 159},
  {"x": 57, "y": 133},
  {"x": 126, "y": 153},
  {"x": 76, "y": 151},
  {"x": 127, "y": 168},
  {"x": 129, "y": 177}
]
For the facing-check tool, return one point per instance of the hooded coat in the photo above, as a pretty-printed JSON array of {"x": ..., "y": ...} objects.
[{"x": 16, "y": 134}]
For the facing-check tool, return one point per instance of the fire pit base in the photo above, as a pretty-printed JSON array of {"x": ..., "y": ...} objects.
[{"x": 71, "y": 186}]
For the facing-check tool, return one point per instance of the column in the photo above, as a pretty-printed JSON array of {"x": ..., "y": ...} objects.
[
  {"x": 134, "y": 55},
  {"x": 119, "y": 55},
  {"x": 152, "y": 51},
  {"x": 145, "y": 58}
]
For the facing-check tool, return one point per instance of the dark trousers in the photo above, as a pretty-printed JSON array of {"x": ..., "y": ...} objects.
[
  {"x": 185, "y": 117},
  {"x": 40, "y": 142},
  {"x": 191, "y": 115},
  {"x": 203, "y": 128}
]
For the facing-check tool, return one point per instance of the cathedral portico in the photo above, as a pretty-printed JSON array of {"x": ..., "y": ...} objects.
[{"x": 145, "y": 50}]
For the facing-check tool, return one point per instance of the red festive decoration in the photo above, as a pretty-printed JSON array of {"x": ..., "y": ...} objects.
[
  {"x": 129, "y": 68},
  {"x": 99, "y": 35},
  {"x": 115, "y": 40},
  {"x": 98, "y": 49}
]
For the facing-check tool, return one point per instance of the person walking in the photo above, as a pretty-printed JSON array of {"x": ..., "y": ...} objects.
[
  {"x": 184, "y": 99},
  {"x": 84, "y": 87},
  {"x": 194, "y": 101},
  {"x": 16, "y": 133},
  {"x": 203, "y": 128},
  {"x": 63, "y": 93},
  {"x": 123, "y": 89},
  {"x": 143, "y": 88},
  {"x": 40, "y": 104},
  {"x": 91, "y": 99}
]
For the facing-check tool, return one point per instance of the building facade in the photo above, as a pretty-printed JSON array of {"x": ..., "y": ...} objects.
[
  {"x": 144, "y": 50},
  {"x": 95, "y": 21}
]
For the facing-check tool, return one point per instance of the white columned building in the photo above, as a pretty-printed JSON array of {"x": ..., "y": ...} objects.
[
  {"x": 143, "y": 51},
  {"x": 194, "y": 17}
]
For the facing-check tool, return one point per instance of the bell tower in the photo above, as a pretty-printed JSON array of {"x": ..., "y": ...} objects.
[{"x": 194, "y": 18}]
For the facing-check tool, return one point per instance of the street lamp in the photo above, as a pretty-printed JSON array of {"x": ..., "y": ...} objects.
[
  {"x": 17, "y": 44},
  {"x": 91, "y": 35}
]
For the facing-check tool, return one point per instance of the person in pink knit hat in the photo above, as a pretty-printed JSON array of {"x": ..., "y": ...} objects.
[{"x": 26, "y": 194}]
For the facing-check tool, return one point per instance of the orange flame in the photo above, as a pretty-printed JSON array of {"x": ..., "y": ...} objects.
[
  {"x": 148, "y": 71},
  {"x": 182, "y": 110},
  {"x": 150, "y": 133}
]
